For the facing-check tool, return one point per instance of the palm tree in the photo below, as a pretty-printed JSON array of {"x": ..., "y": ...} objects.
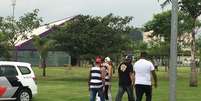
[{"x": 42, "y": 46}]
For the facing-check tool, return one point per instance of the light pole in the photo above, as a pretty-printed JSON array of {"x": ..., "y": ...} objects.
[
  {"x": 173, "y": 52},
  {"x": 13, "y": 18},
  {"x": 13, "y": 5}
]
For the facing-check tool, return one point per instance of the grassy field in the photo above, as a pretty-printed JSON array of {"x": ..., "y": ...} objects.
[{"x": 63, "y": 84}]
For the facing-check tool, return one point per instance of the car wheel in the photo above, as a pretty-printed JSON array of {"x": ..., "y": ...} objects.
[{"x": 24, "y": 95}]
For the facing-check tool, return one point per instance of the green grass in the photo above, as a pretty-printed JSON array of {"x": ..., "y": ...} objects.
[{"x": 62, "y": 84}]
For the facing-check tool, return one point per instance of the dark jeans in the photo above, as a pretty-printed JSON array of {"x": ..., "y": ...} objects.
[
  {"x": 93, "y": 93},
  {"x": 106, "y": 92},
  {"x": 128, "y": 89},
  {"x": 141, "y": 89}
]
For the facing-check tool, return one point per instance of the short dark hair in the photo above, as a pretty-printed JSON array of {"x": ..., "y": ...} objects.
[
  {"x": 129, "y": 57},
  {"x": 143, "y": 54}
]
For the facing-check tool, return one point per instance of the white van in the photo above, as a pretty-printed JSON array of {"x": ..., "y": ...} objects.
[{"x": 17, "y": 81}]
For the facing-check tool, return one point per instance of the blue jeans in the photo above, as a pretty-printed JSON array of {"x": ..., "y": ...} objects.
[
  {"x": 128, "y": 89},
  {"x": 94, "y": 91}
]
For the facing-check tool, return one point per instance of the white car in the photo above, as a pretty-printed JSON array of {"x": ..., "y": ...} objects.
[{"x": 17, "y": 81}]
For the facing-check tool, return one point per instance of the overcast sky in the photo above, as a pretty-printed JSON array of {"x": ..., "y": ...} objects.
[{"x": 51, "y": 10}]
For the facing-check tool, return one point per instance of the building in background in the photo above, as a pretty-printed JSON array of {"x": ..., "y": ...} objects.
[
  {"x": 184, "y": 56},
  {"x": 26, "y": 52}
]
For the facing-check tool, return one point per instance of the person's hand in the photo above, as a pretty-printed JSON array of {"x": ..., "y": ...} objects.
[
  {"x": 133, "y": 83},
  {"x": 104, "y": 89}
]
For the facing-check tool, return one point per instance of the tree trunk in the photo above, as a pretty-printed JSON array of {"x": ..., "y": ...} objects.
[
  {"x": 193, "y": 74},
  {"x": 44, "y": 66}
]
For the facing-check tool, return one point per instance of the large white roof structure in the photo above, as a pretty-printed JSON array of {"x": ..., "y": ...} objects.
[{"x": 42, "y": 29}]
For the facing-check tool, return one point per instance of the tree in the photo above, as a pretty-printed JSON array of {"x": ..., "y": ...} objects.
[
  {"x": 42, "y": 46},
  {"x": 139, "y": 46},
  {"x": 160, "y": 25},
  {"x": 193, "y": 9},
  {"x": 4, "y": 53},
  {"x": 87, "y": 36},
  {"x": 16, "y": 30},
  {"x": 2, "y": 43},
  {"x": 160, "y": 29}
]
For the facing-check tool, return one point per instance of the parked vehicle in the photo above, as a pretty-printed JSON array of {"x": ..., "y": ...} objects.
[{"x": 17, "y": 81}]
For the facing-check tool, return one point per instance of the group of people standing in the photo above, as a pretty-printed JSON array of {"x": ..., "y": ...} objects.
[
  {"x": 137, "y": 76},
  {"x": 100, "y": 80}
]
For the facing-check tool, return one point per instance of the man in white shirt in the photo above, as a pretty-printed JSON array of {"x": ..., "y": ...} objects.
[{"x": 143, "y": 69}]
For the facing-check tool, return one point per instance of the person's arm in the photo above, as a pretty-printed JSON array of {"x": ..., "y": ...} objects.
[
  {"x": 132, "y": 77},
  {"x": 110, "y": 71},
  {"x": 131, "y": 74},
  {"x": 103, "y": 73},
  {"x": 134, "y": 74},
  {"x": 155, "y": 78}
]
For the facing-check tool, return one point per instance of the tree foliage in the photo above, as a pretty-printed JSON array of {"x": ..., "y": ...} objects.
[
  {"x": 88, "y": 36},
  {"x": 160, "y": 25},
  {"x": 3, "y": 47},
  {"x": 192, "y": 8},
  {"x": 16, "y": 30}
]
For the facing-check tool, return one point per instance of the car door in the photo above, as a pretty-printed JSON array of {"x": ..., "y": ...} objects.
[
  {"x": 8, "y": 81},
  {"x": 27, "y": 78}
]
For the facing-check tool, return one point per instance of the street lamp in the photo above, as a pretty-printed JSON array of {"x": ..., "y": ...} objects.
[{"x": 13, "y": 5}]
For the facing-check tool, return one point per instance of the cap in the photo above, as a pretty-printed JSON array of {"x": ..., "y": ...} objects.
[
  {"x": 107, "y": 59},
  {"x": 129, "y": 57},
  {"x": 98, "y": 59}
]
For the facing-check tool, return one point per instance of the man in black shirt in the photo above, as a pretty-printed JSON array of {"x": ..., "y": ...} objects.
[{"x": 125, "y": 71}]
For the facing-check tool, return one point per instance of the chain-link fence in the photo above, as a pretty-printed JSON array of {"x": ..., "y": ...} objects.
[{"x": 54, "y": 59}]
